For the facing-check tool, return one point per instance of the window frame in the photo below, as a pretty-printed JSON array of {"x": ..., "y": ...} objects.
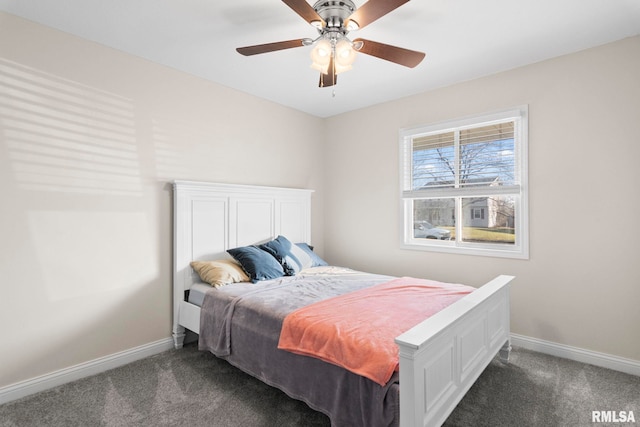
[{"x": 519, "y": 249}]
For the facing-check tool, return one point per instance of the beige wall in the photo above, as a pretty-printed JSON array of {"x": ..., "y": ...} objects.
[
  {"x": 86, "y": 227},
  {"x": 581, "y": 285},
  {"x": 89, "y": 139}
]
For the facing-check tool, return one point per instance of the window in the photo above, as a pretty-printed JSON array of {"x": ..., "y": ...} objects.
[
  {"x": 464, "y": 185},
  {"x": 477, "y": 213}
]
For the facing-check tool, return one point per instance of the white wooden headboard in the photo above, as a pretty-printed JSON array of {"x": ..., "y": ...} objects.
[{"x": 209, "y": 218}]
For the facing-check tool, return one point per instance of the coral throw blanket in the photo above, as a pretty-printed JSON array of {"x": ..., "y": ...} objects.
[{"x": 357, "y": 330}]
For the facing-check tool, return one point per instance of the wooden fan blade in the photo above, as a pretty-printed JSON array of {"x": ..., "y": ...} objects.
[
  {"x": 304, "y": 9},
  {"x": 327, "y": 80},
  {"x": 406, "y": 57},
  {"x": 373, "y": 10},
  {"x": 330, "y": 78},
  {"x": 269, "y": 47}
]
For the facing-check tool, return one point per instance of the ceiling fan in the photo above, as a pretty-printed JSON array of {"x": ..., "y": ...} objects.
[{"x": 333, "y": 51}]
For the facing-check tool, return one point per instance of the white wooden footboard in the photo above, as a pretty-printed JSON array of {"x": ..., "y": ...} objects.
[{"x": 442, "y": 357}]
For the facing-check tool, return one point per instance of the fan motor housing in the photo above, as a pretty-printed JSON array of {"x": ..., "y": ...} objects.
[{"x": 334, "y": 12}]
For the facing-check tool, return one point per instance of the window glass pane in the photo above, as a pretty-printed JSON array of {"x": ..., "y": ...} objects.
[
  {"x": 433, "y": 161},
  {"x": 488, "y": 219},
  {"x": 487, "y": 155},
  {"x": 434, "y": 219}
]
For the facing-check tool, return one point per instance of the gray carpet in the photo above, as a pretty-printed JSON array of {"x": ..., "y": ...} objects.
[{"x": 191, "y": 388}]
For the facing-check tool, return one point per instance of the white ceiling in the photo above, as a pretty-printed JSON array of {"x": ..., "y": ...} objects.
[{"x": 463, "y": 39}]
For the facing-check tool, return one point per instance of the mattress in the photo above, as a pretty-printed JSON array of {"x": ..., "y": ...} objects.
[{"x": 197, "y": 293}]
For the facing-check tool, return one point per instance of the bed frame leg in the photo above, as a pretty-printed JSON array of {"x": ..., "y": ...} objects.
[
  {"x": 505, "y": 351},
  {"x": 178, "y": 337}
]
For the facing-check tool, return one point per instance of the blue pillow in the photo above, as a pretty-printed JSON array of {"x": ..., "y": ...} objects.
[
  {"x": 307, "y": 257},
  {"x": 258, "y": 264},
  {"x": 281, "y": 249}
]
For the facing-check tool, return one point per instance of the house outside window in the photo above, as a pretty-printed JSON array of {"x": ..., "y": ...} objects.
[{"x": 464, "y": 185}]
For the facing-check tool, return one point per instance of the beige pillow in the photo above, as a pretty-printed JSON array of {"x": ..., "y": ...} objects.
[{"x": 220, "y": 272}]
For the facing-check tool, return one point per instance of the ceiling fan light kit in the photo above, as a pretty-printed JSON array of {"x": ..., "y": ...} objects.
[
  {"x": 333, "y": 52},
  {"x": 341, "y": 49}
]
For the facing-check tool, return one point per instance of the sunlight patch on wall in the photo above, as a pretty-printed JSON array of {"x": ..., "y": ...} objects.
[
  {"x": 65, "y": 136},
  {"x": 83, "y": 253}
]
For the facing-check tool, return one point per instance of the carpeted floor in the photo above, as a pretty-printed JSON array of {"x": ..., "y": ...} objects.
[{"x": 191, "y": 388}]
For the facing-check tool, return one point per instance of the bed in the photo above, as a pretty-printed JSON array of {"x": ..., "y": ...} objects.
[{"x": 439, "y": 358}]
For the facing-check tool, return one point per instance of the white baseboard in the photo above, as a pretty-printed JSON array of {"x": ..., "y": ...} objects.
[
  {"x": 96, "y": 366},
  {"x": 63, "y": 376},
  {"x": 628, "y": 366}
]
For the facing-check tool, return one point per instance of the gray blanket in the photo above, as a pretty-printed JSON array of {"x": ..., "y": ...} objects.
[{"x": 241, "y": 323}]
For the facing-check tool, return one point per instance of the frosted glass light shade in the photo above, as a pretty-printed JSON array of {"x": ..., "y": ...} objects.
[
  {"x": 345, "y": 56},
  {"x": 321, "y": 56}
]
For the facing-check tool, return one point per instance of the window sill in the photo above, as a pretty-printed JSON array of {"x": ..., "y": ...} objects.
[{"x": 452, "y": 248}]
